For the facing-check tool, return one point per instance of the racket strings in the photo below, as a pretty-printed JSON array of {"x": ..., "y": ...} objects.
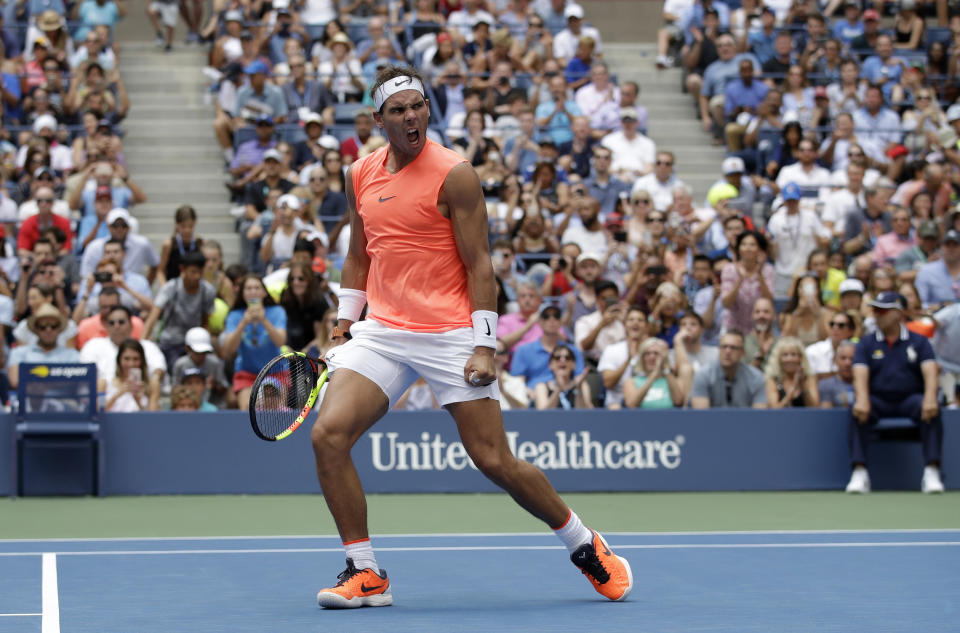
[{"x": 282, "y": 391}]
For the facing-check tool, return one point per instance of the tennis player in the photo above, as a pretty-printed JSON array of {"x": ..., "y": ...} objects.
[{"x": 419, "y": 260}]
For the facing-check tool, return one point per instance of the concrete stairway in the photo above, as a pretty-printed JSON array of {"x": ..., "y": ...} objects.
[
  {"x": 671, "y": 123},
  {"x": 169, "y": 143}
]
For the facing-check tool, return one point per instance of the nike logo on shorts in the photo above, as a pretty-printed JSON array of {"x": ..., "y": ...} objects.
[{"x": 382, "y": 199}]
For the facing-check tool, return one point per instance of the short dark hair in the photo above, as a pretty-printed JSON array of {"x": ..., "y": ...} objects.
[
  {"x": 56, "y": 232},
  {"x": 109, "y": 291},
  {"x": 736, "y": 333},
  {"x": 761, "y": 240},
  {"x": 604, "y": 284},
  {"x": 305, "y": 246},
  {"x": 114, "y": 240},
  {"x": 125, "y": 310},
  {"x": 701, "y": 258},
  {"x": 690, "y": 314},
  {"x": 193, "y": 258}
]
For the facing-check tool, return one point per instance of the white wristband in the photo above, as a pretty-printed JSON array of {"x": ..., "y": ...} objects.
[
  {"x": 484, "y": 328},
  {"x": 351, "y": 305}
]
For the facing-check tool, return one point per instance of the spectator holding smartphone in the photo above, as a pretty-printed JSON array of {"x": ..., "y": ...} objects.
[{"x": 130, "y": 390}]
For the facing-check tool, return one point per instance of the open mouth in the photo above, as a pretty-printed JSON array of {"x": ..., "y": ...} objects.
[{"x": 413, "y": 136}]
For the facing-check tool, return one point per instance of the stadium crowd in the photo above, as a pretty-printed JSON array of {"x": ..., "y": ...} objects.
[{"x": 834, "y": 206}]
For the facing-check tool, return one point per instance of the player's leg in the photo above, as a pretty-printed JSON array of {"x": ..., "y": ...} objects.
[
  {"x": 480, "y": 424},
  {"x": 481, "y": 429},
  {"x": 363, "y": 384},
  {"x": 351, "y": 405}
]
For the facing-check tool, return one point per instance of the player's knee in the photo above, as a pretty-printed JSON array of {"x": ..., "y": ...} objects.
[
  {"x": 327, "y": 441},
  {"x": 495, "y": 467}
]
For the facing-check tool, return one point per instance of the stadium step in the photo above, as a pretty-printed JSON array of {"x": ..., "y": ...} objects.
[
  {"x": 169, "y": 143},
  {"x": 671, "y": 118}
]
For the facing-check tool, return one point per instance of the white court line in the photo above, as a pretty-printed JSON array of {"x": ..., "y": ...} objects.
[
  {"x": 494, "y": 548},
  {"x": 20, "y": 615},
  {"x": 50, "y": 620},
  {"x": 123, "y": 539}
]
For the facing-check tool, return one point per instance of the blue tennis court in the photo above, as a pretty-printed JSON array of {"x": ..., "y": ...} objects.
[{"x": 705, "y": 581}]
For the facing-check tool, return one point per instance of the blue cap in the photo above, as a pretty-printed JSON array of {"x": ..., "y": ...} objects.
[
  {"x": 256, "y": 66},
  {"x": 791, "y": 192},
  {"x": 889, "y": 300},
  {"x": 264, "y": 118}
]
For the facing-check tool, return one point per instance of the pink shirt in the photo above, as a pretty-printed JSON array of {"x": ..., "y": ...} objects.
[
  {"x": 739, "y": 316},
  {"x": 890, "y": 245},
  {"x": 515, "y": 321}
]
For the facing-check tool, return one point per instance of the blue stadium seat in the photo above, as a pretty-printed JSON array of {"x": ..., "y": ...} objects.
[{"x": 344, "y": 113}]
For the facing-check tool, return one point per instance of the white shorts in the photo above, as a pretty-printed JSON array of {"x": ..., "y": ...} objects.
[
  {"x": 168, "y": 12},
  {"x": 393, "y": 359}
]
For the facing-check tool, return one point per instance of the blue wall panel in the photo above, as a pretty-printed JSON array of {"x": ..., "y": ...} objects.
[{"x": 170, "y": 453}]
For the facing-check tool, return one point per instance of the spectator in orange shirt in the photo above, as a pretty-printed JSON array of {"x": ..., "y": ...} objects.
[{"x": 92, "y": 326}]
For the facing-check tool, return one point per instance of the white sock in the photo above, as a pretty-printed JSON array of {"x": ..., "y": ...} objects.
[
  {"x": 228, "y": 154},
  {"x": 573, "y": 533},
  {"x": 361, "y": 552}
]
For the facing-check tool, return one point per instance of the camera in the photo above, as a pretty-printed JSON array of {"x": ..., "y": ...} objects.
[
  {"x": 620, "y": 236},
  {"x": 102, "y": 277},
  {"x": 656, "y": 270}
]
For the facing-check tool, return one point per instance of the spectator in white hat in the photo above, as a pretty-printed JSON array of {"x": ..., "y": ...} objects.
[
  {"x": 279, "y": 238},
  {"x": 565, "y": 42},
  {"x": 140, "y": 257},
  {"x": 201, "y": 355}
]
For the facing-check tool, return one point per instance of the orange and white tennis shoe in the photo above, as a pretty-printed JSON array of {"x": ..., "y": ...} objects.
[
  {"x": 609, "y": 574},
  {"x": 357, "y": 588}
]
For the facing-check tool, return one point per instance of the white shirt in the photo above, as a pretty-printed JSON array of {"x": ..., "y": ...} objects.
[
  {"x": 612, "y": 358},
  {"x": 816, "y": 177},
  {"x": 61, "y": 157},
  {"x": 795, "y": 236},
  {"x": 820, "y": 357},
  {"x": 29, "y": 208},
  {"x": 565, "y": 42},
  {"x": 607, "y": 336},
  {"x": 603, "y": 107},
  {"x": 140, "y": 254},
  {"x": 660, "y": 192},
  {"x": 637, "y": 155},
  {"x": 838, "y": 205},
  {"x": 103, "y": 352},
  {"x": 589, "y": 241},
  {"x": 677, "y": 7},
  {"x": 463, "y": 21}
]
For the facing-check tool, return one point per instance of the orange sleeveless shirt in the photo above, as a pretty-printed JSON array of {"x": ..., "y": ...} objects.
[{"x": 416, "y": 280}]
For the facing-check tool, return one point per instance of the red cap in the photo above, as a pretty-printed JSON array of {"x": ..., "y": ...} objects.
[
  {"x": 870, "y": 14},
  {"x": 820, "y": 91},
  {"x": 103, "y": 191},
  {"x": 444, "y": 37}
]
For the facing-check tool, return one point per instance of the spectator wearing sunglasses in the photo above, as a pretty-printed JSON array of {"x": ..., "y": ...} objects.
[
  {"x": 532, "y": 360},
  {"x": 565, "y": 389},
  {"x": 46, "y": 323},
  {"x": 103, "y": 351},
  {"x": 822, "y": 355},
  {"x": 44, "y": 218}
]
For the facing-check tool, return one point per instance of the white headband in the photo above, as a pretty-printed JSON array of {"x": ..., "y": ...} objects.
[{"x": 392, "y": 86}]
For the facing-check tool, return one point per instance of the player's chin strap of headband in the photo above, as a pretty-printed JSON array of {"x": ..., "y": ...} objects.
[{"x": 392, "y": 86}]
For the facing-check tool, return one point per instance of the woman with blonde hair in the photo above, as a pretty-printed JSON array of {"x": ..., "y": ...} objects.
[
  {"x": 655, "y": 383},
  {"x": 789, "y": 381}
]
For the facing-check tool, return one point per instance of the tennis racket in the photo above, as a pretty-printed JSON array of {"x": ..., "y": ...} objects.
[{"x": 283, "y": 394}]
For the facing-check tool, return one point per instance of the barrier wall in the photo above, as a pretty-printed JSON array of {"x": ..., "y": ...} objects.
[{"x": 214, "y": 453}]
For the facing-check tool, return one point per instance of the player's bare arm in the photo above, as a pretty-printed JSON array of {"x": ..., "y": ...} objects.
[
  {"x": 356, "y": 264},
  {"x": 461, "y": 200}
]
